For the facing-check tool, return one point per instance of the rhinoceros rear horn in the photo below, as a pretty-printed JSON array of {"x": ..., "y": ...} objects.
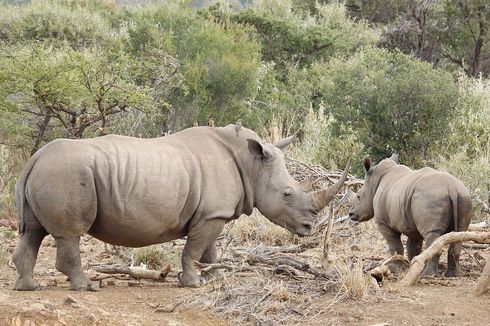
[{"x": 323, "y": 197}]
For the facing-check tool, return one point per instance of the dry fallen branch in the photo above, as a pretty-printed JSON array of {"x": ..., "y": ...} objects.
[
  {"x": 482, "y": 226},
  {"x": 383, "y": 269},
  {"x": 254, "y": 259},
  {"x": 419, "y": 262},
  {"x": 484, "y": 280},
  {"x": 136, "y": 272},
  {"x": 267, "y": 250},
  {"x": 328, "y": 233}
]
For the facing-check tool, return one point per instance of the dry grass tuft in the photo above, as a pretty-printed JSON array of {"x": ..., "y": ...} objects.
[
  {"x": 352, "y": 279},
  {"x": 155, "y": 257},
  {"x": 256, "y": 229},
  {"x": 260, "y": 297}
]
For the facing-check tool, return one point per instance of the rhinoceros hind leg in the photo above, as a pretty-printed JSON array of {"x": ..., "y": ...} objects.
[
  {"x": 453, "y": 260},
  {"x": 68, "y": 262},
  {"x": 25, "y": 255},
  {"x": 199, "y": 239},
  {"x": 432, "y": 268},
  {"x": 414, "y": 247}
]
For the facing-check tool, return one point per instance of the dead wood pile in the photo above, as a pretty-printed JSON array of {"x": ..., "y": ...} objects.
[{"x": 419, "y": 262}]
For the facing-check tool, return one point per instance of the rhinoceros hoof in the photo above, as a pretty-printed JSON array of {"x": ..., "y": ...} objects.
[
  {"x": 26, "y": 285},
  {"x": 451, "y": 273},
  {"x": 208, "y": 276},
  {"x": 89, "y": 287},
  {"x": 430, "y": 273},
  {"x": 186, "y": 281}
]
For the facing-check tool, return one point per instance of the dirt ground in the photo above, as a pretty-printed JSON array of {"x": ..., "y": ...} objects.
[{"x": 127, "y": 302}]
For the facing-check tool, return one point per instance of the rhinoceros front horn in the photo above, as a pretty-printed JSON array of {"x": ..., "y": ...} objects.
[{"x": 322, "y": 198}]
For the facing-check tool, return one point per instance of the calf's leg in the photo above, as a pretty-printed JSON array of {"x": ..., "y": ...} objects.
[
  {"x": 393, "y": 239},
  {"x": 432, "y": 265},
  {"x": 25, "y": 255},
  {"x": 414, "y": 247},
  {"x": 453, "y": 260}
]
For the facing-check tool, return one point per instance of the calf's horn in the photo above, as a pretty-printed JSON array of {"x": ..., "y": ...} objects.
[{"x": 322, "y": 198}]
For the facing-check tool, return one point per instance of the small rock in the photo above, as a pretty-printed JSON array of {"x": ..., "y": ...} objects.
[
  {"x": 49, "y": 306},
  {"x": 355, "y": 248},
  {"x": 51, "y": 283},
  {"x": 133, "y": 283},
  {"x": 70, "y": 301},
  {"x": 168, "y": 308}
]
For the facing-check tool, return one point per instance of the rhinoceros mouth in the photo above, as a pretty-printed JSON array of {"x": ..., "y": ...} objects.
[
  {"x": 354, "y": 217},
  {"x": 305, "y": 229}
]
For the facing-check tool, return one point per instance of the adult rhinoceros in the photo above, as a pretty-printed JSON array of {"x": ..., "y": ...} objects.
[
  {"x": 137, "y": 192},
  {"x": 422, "y": 204}
]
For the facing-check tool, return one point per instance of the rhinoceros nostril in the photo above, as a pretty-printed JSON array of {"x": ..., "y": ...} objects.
[{"x": 307, "y": 226}]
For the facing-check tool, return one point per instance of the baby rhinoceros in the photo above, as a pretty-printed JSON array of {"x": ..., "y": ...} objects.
[{"x": 422, "y": 204}]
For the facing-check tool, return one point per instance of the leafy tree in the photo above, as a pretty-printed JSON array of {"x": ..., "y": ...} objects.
[
  {"x": 464, "y": 33},
  {"x": 216, "y": 65},
  {"x": 289, "y": 36},
  {"x": 63, "y": 88},
  {"x": 55, "y": 22},
  {"x": 447, "y": 33},
  {"x": 392, "y": 100}
]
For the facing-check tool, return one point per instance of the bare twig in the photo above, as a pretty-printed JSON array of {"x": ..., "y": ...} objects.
[{"x": 134, "y": 271}]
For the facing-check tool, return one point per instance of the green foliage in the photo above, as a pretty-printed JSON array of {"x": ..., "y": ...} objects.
[
  {"x": 75, "y": 89},
  {"x": 289, "y": 36},
  {"x": 465, "y": 151},
  {"x": 54, "y": 22},
  {"x": 154, "y": 257},
  {"x": 321, "y": 145},
  {"x": 464, "y": 28},
  {"x": 215, "y": 68},
  {"x": 394, "y": 102}
]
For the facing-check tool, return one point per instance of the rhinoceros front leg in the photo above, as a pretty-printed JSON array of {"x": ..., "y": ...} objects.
[
  {"x": 201, "y": 243},
  {"x": 210, "y": 256},
  {"x": 68, "y": 262},
  {"x": 395, "y": 244}
]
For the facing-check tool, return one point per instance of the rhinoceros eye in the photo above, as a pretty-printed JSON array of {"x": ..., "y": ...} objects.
[{"x": 287, "y": 192}]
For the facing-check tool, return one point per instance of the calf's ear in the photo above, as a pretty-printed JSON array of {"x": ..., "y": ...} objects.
[
  {"x": 284, "y": 143},
  {"x": 367, "y": 164},
  {"x": 259, "y": 149}
]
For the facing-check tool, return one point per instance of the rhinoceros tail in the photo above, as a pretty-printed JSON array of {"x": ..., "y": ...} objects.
[
  {"x": 23, "y": 209},
  {"x": 453, "y": 196}
]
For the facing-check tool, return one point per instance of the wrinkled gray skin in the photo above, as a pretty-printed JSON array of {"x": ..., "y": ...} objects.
[
  {"x": 137, "y": 192},
  {"x": 422, "y": 204}
]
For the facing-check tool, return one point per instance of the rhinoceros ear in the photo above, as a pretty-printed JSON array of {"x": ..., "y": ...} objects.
[
  {"x": 367, "y": 164},
  {"x": 284, "y": 143},
  {"x": 258, "y": 149},
  {"x": 306, "y": 184}
]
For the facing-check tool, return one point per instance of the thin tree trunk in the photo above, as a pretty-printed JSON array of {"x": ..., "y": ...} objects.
[{"x": 40, "y": 134}]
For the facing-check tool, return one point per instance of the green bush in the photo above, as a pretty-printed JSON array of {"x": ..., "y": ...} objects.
[
  {"x": 54, "y": 22},
  {"x": 393, "y": 101}
]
